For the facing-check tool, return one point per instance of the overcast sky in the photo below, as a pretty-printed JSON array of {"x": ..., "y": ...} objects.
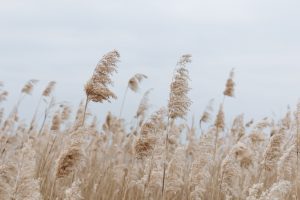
[{"x": 63, "y": 41}]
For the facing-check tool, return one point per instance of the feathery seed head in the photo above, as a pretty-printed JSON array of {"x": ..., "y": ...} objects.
[
  {"x": 68, "y": 160},
  {"x": 97, "y": 87},
  {"x": 56, "y": 121},
  {"x": 179, "y": 102},
  {"x": 3, "y": 95},
  {"x": 134, "y": 82},
  {"x": 229, "y": 89},
  {"x": 49, "y": 89},
  {"x": 220, "y": 122},
  {"x": 206, "y": 115},
  {"x": 28, "y": 87}
]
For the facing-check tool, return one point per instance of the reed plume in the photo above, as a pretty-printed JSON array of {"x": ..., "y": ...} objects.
[
  {"x": 147, "y": 157},
  {"x": 49, "y": 89},
  {"x": 28, "y": 87},
  {"x": 229, "y": 89},
  {"x": 3, "y": 95},
  {"x": 220, "y": 121},
  {"x": 134, "y": 82},
  {"x": 273, "y": 151},
  {"x": 206, "y": 115},
  {"x": 69, "y": 159},
  {"x": 96, "y": 88},
  {"x": 56, "y": 121},
  {"x": 66, "y": 113},
  {"x": 237, "y": 128},
  {"x": 179, "y": 102}
]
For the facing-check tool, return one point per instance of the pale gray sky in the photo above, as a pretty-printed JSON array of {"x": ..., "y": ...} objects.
[{"x": 63, "y": 40}]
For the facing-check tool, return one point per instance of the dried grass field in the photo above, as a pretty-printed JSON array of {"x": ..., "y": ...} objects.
[{"x": 67, "y": 154}]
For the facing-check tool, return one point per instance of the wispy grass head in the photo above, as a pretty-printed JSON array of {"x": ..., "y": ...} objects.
[
  {"x": 28, "y": 87},
  {"x": 97, "y": 87},
  {"x": 134, "y": 82},
  {"x": 179, "y": 102},
  {"x": 229, "y": 89},
  {"x": 49, "y": 89}
]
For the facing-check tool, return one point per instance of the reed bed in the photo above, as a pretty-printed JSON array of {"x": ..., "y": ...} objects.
[{"x": 69, "y": 157}]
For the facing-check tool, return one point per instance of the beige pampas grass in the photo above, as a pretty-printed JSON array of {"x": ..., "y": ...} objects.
[
  {"x": 66, "y": 112},
  {"x": 179, "y": 102},
  {"x": 273, "y": 151},
  {"x": 243, "y": 155},
  {"x": 287, "y": 164},
  {"x": 67, "y": 161},
  {"x": 146, "y": 157},
  {"x": 56, "y": 121},
  {"x": 134, "y": 82},
  {"x": 238, "y": 129},
  {"x": 144, "y": 146},
  {"x": 175, "y": 172},
  {"x": 149, "y": 135},
  {"x": 200, "y": 174},
  {"x": 229, "y": 89},
  {"x": 238, "y": 159},
  {"x": 3, "y": 95},
  {"x": 49, "y": 89},
  {"x": 220, "y": 121},
  {"x": 18, "y": 176},
  {"x": 69, "y": 158},
  {"x": 206, "y": 115},
  {"x": 96, "y": 88},
  {"x": 28, "y": 87},
  {"x": 229, "y": 178},
  {"x": 219, "y": 125}
]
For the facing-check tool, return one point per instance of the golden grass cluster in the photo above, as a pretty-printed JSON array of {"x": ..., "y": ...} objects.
[{"x": 65, "y": 156}]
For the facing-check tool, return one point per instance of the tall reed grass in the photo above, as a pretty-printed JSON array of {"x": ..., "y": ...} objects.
[{"x": 69, "y": 157}]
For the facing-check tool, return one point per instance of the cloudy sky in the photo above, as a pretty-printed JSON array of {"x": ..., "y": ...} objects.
[{"x": 63, "y": 40}]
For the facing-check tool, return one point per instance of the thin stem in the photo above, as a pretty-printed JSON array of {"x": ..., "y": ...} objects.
[
  {"x": 34, "y": 116},
  {"x": 149, "y": 175},
  {"x": 44, "y": 120},
  {"x": 85, "y": 107},
  {"x": 216, "y": 142},
  {"x": 123, "y": 102},
  {"x": 166, "y": 158},
  {"x": 214, "y": 159},
  {"x": 47, "y": 111},
  {"x": 297, "y": 144},
  {"x": 220, "y": 186}
]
